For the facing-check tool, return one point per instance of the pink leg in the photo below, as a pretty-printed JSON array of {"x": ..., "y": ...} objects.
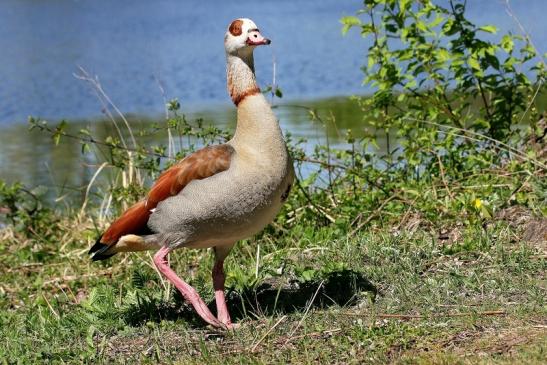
[
  {"x": 189, "y": 293},
  {"x": 218, "y": 285}
]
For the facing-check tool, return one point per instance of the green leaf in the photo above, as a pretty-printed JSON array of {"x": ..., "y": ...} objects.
[
  {"x": 421, "y": 26},
  {"x": 485, "y": 211},
  {"x": 308, "y": 274},
  {"x": 436, "y": 22},
  {"x": 370, "y": 63},
  {"x": 410, "y": 84},
  {"x": 85, "y": 148},
  {"x": 173, "y": 105},
  {"x": 348, "y": 22},
  {"x": 89, "y": 336},
  {"x": 443, "y": 55},
  {"x": 56, "y": 138},
  {"x": 489, "y": 29},
  {"x": 404, "y": 4},
  {"x": 474, "y": 63},
  {"x": 507, "y": 43}
]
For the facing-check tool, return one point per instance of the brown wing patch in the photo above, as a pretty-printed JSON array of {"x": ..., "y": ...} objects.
[
  {"x": 132, "y": 220},
  {"x": 236, "y": 27},
  {"x": 199, "y": 165}
]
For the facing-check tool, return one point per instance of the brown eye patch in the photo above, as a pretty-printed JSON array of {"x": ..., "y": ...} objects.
[{"x": 235, "y": 27}]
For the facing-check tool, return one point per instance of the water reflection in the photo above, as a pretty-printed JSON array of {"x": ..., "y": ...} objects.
[{"x": 32, "y": 158}]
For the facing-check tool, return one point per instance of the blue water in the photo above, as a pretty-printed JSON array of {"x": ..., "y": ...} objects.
[{"x": 136, "y": 46}]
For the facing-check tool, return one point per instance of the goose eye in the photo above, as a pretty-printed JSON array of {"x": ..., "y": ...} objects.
[{"x": 255, "y": 36}]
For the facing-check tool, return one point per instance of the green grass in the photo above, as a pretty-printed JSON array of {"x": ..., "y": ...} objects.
[{"x": 480, "y": 299}]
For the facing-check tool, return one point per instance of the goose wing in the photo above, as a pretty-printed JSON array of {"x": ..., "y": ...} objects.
[{"x": 199, "y": 165}]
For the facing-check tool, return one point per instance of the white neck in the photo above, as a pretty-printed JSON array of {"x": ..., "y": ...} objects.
[
  {"x": 257, "y": 125},
  {"x": 241, "y": 76}
]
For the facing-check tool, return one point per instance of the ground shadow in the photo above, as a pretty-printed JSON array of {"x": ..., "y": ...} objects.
[
  {"x": 153, "y": 309},
  {"x": 337, "y": 288}
]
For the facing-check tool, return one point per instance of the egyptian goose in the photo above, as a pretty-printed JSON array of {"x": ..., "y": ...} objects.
[{"x": 217, "y": 195}]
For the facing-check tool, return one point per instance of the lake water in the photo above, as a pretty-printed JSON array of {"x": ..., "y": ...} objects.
[{"x": 139, "y": 48}]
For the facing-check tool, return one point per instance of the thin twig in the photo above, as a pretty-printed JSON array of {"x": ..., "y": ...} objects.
[
  {"x": 419, "y": 316},
  {"x": 373, "y": 215},
  {"x": 267, "y": 333},
  {"x": 506, "y": 146},
  {"x": 510, "y": 12},
  {"x": 94, "y": 81},
  {"x": 315, "y": 334},
  {"x": 170, "y": 143},
  {"x": 305, "y": 312},
  {"x": 308, "y": 198},
  {"x": 274, "y": 69},
  {"x": 91, "y": 140},
  {"x": 50, "y": 307},
  {"x": 103, "y": 165},
  {"x": 76, "y": 277},
  {"x": 443, "y": 177},
  {"x": 257, "y": 266}
]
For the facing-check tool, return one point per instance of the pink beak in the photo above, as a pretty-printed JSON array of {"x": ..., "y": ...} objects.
[{"x": 256, "y": 39}]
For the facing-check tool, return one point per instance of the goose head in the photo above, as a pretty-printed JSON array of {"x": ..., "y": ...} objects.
[{"x": 242, "y": 37}]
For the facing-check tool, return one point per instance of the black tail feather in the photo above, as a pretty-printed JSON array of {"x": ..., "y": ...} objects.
[
  {"x": 97, "y": 246},
  {"x": 98, "y": 257},
  {"x": 99, "y": 251}
]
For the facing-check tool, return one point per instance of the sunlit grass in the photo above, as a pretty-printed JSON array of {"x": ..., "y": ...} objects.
[{"x": 380, "y": 296}]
